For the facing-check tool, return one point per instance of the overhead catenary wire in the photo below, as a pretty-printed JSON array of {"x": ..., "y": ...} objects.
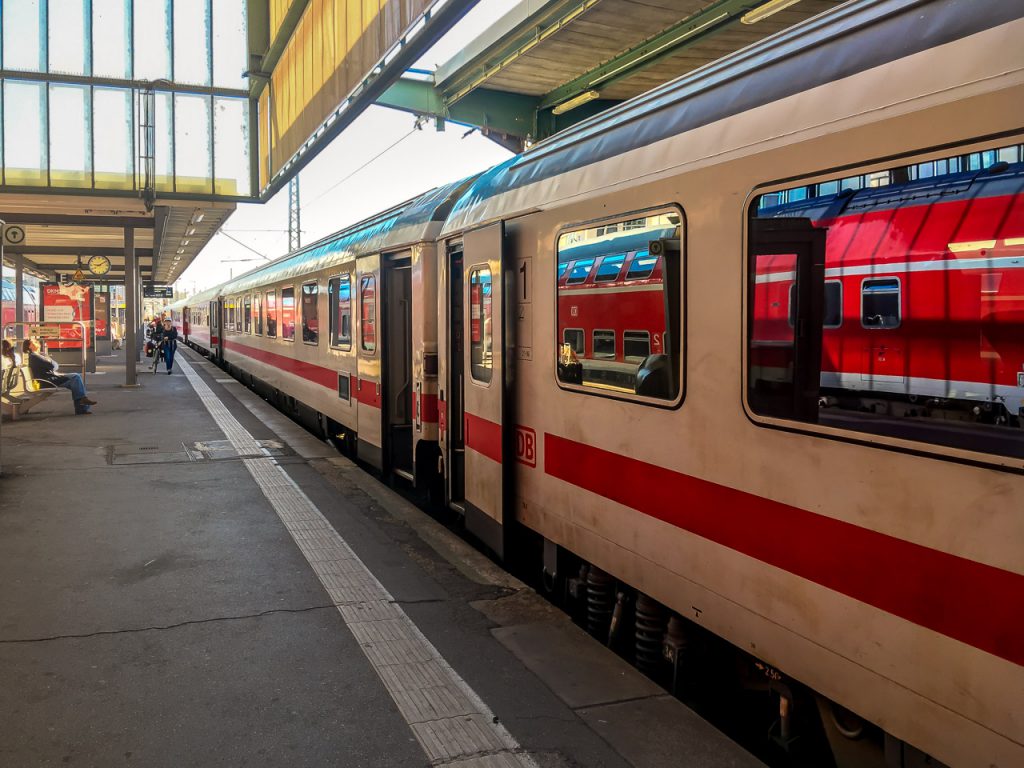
[
  {"x": 345, "y": 178},
  {"x": 247, "y": 247}
]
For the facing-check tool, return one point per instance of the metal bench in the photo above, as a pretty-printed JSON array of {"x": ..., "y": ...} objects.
[{"x": 21, "y": 392}]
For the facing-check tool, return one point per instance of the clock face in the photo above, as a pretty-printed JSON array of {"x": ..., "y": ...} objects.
[{"x": 99, "y": 265}]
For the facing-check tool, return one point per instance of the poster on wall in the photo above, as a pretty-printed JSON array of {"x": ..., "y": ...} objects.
[
  {"x": 102, "y": 306},
  {"x": 66, "y": 304}
]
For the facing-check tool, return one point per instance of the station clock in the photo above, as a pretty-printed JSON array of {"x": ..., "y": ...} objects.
[{"x": 99, "y": 265}]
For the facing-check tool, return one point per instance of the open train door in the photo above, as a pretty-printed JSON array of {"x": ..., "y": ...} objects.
[
  {"x": 485, "y": 385},
  {"x": 216, "y": 332}
]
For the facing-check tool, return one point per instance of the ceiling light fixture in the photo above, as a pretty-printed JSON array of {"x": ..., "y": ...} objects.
[
  {"x": 762, "y": 12},
  {"x": 575, "y": 101}
]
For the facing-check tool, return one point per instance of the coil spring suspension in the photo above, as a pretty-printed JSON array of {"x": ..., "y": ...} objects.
[
  {"x": 600, "y": 602},
  {"x": 651, "y": 622}
]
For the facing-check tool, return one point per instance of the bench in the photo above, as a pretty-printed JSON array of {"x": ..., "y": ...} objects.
[{"x": 20, "y": 392}]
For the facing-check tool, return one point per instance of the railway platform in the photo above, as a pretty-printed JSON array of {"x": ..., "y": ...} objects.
[{"x": 189, "y": 578}]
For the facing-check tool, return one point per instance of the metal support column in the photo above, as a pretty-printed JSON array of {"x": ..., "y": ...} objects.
[
  {"x": 19, "y": 294},
  {"x": 131, "y": 309}
]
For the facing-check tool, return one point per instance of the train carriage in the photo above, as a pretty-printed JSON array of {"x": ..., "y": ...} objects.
[
  {"x": 750, "y": 344},
  {"x": 343, "y": 335},
  {"x": 761, "y": 508}
]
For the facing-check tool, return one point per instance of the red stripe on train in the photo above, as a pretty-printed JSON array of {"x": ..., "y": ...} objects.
[
  {"x": 325, "y": 377},
  {"x": 969, "y": 601},
  {"x": 366, "y": 392},
  {"x": 483, "y": 436},
  {"x": 427, "y": 408}
]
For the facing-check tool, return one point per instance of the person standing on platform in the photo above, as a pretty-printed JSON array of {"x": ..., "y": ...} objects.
[
  {"x": 45, "y": 368},
  {"x": 168, "y": 339}
]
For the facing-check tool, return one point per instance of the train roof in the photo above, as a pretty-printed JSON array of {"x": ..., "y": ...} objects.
[
  {"x": 842, "y": 42},
  {"x": 619, "y": 244},
  {"x": 410, "y": 222},
  {"x": 996, "y": 181}
]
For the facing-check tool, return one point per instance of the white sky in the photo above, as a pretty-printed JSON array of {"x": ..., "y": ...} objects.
[{"x": 420, "y": 161}]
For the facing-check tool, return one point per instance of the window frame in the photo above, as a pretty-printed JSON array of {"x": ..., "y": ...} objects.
[
  {"x": 340, "y": 277},
  {"x": 825, "y": 326},
  {"x": 583, "y": 338},
  {"x": 247, "y": 313},
  {"x": 680, "y": 344},
  {"x": 593, "y": 343},
  {"x": 372, "y": 278},
  {"x": 568, "y": 277},
  {"x": 302, "y": 293},
  {"x": 280, "y": 326},
  {"x": 899, "y": 303},
  {"x": 468, "y": 344},
  {"x": 876, "y": 441},
  {"x": 272, "y": 292},
  {"x": 618, "y": 272}
]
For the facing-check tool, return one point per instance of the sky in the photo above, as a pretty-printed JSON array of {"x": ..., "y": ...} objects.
[{"x": 336, "y": 192}]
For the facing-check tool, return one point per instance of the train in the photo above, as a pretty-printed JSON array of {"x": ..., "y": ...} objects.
[
  {"x": 741, "y": 358},
  {"x": 10, "y": 293}
]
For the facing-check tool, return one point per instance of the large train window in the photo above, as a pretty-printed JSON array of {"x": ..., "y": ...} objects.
[
  {"x": 257, "y": 311},
  {"x": 931, "y": 257},
  {"x": 368, "y": 313},
  {"x": 340, "y": 291},
  {"x": 288, "y": 314},
  {"x": 272, "y": 314},
  {"x": 247, "y": 313},
  {"x": 480, "y": 336},
  {"x": 634, "y": 331},
  {"x": 310, "y": 314}
]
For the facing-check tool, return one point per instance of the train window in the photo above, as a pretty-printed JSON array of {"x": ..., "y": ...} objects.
[
  {"x": 642, "y": 266},
  {"x": 368, "y": 313},
  {"x": 636, "y": 346},
  {"x": 574, "y": 338},
  {"x": 880, "y": 303},
  {"x": 247, "y": 313},
  {"x": 938, "y": 354},
  {"x": 647, "y": 363},
  {"x": 340, "y": 291},
  {"x": 561, "y": 269},
  {"x": 257, "y": 311},
  {"x": 310, "y": 314},
  {"x": 580, "y": 271},
  {"x": 604, "y": 344},
  {"x": 288, "y": 314},
  {"x": 610, "y": 268},
  {"x": 480, "y": 362},
  {"x": 833, "y": 304},
  {"x": 272, "y": 314}
]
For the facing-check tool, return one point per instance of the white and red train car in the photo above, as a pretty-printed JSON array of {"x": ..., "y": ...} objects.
[{"x": 819, "y": 458}]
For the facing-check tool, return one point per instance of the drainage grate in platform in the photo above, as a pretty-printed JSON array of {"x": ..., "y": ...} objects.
[{"x": 147, "y": 454}]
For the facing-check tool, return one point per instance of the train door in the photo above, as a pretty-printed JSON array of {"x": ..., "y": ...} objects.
[
  {"x": 216, "y": 342},
  {"x": 396, "y": 308},
  {"x": 484, "y": 392},
  {"x": 785, "y": 352},
  {"x": 452, "y": 438},
  {"x": 369, "y": 419}
]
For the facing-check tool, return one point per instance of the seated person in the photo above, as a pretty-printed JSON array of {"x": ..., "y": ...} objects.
[
  {"x": 10, "y": 357},
  {"x": 45, "y": 368}
]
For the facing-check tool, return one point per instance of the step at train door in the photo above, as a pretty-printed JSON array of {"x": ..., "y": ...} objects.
[{"x": 484, "y": 390}]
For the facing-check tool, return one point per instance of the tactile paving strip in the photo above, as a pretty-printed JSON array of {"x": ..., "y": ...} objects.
[{"x": 452, "y": 724}]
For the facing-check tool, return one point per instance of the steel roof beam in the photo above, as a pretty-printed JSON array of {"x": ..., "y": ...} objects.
[
  {"x": 499, "y": 115},
  {"x": 72, "y": 250},
  {"x": 138, "y": 222},
  {"x": 669, "y": 42}
]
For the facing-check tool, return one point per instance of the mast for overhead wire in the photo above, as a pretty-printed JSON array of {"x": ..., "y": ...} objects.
[{"x": 294, "y": 220}]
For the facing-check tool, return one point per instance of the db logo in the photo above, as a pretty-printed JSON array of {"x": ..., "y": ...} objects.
[{"x": 526, "y": 446}]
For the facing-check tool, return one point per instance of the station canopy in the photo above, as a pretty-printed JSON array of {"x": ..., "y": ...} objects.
[{"x": 548, "y": 64}]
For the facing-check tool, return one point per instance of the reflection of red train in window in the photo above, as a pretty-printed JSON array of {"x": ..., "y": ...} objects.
[
  {"x": 923, "y": 297},
  {"x": 611, "y": 306},
  {"x": 9, "y": 295}
]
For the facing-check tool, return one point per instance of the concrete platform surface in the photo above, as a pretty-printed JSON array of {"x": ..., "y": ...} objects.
[{"x": 189, "y": 578}]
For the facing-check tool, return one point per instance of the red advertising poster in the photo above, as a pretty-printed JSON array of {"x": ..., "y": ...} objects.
[{"x": 65, "y": 304}]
